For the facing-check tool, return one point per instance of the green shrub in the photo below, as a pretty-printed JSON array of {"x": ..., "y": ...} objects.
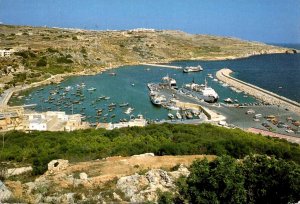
[
  {"x": 64, "y": 60},
  {"x": 41, "y": 62}
]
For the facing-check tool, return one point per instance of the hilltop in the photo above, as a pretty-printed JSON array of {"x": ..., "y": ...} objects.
[{"x": 41, "y": 52}]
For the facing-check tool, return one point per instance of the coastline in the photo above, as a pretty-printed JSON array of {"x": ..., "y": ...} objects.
[
  {"x": 262, "y": 94},
  {"x": 60, "y": 77}
]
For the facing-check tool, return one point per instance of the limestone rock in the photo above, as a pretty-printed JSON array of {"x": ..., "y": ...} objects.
[
  {"x": 57, "y": 165},
  {"x": 142, "y": 188},
  {"x": 130, "y": 185},
  {"x": 5, "y": 193},
  {"x": 182, "y": 171},
  {"x": 144, "y": 155},
  {"x": 83, "y": 176},
  {"x": 18, "y": 171},
  {"x": 117, "y": 197}
]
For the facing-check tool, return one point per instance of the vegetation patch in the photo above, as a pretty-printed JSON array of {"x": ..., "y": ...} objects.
[{"x": 39, "y": 148}]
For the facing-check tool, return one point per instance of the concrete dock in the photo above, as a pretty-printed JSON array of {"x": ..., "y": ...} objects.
[
  {"x": 262, "y": 94},
  {"x": 163, "y": 65}
]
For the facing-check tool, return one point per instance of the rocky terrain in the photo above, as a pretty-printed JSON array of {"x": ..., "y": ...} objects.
[
  {"x": 40, "y": 52},
  {"x": 138, "y": 178}
]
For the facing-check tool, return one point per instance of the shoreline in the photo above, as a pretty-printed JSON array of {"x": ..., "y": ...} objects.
[
  {"x": 257, "y": 92},
  {"x": 61, "y": 77}
]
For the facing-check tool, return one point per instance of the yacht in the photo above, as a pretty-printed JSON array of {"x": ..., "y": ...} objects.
[{"x": 192, "y": 69}]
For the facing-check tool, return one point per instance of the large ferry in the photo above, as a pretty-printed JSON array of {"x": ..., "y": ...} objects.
[
  {"x": 201, "y": 91},
  {"x": 192, "y": 69},
  {"x": 169, "y": 81}
]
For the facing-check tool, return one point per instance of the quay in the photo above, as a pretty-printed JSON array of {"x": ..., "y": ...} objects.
[
  {"x": 162, "y": 65},
  {"x": 262, "y": 94}
]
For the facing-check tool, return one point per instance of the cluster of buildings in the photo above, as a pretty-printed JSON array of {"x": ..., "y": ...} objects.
[
  {"x": 14, "y": 118},
  {"x": 53, "y": 121}
]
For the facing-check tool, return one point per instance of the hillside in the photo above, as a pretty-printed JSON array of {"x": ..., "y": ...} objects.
[
  {"x": 101, "y": 167},
  {"x": 41, "y": 52}
]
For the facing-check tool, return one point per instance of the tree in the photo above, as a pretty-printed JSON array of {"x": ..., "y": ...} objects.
[
  {"x": 269, "y": 180},
  {"x": 219, "y": 181}
]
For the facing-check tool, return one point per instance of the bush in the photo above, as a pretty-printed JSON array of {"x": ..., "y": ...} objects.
[
  {"x": 41, "y": 62},
  {"x": 256, "y": 179},
  {"x": 64, "y": 60}
]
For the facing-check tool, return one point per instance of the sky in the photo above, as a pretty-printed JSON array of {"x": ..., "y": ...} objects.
[{"x": 270, "y": 21}]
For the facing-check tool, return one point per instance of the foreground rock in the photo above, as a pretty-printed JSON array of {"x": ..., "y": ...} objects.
[
  {"x": 4, "y": 192},
  {"x": 140, "y": 188},
  {"x": 110, "y": 180}
]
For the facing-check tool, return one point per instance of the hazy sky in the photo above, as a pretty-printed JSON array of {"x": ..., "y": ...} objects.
[{"x": 261, "y": 20}]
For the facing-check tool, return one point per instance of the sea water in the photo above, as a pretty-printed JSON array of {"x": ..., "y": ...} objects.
[{"x": 279, "y": 73}]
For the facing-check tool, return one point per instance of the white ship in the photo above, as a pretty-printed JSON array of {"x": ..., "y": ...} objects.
[
  {"x": 192, "y": 69},
  {"x": 157, "y": 99},
  {"x": 170, "y": 81},
  {"x": 204, "y": 92}
]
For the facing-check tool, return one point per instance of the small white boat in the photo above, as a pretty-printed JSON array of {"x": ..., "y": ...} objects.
[
  {"x": 129, "y": 110},
  {"x": 170, "y": 115},
  {"x": 178, "y": 115},
  {"x": 92, "y": 89},
  {"x": 228, "y": 100},
  {"x": 170, "y": 107},
  {"x": 68, "y": 88}
]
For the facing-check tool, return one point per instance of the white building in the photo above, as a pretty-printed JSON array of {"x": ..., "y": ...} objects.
[
  {"x": 53, "y": 121},
  {"x": 6, "y": 53}
]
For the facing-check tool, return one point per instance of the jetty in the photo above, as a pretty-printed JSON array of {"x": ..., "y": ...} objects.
[
  {"x": 257, "y": 92},
  {"x": 162, "y": 65}
]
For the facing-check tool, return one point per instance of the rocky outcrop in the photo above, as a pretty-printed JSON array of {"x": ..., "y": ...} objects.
[
  {"x": 57, "y": 165},
  {"x": 17, "y": 171},
  {"x": 144, "y": 155},
  {"x": 5, "y": 193},
  {"x": 140, "y": 188}
]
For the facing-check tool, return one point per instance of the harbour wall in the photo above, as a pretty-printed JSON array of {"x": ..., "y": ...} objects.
[
  {"x": 262, "y": 94},
  {"x": 162, "y": 65},
  {"x": 211, "y": 116}
]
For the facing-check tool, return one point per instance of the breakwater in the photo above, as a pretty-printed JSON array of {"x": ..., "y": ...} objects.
[
  {"x": 261, "y": 94},
  {"x": 162, "y": 65}
]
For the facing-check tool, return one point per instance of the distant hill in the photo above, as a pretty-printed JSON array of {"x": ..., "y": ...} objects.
[{"x": 43, "y": 51}]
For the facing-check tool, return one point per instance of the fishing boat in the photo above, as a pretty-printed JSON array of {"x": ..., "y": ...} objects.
[
  {"x": 129, "y": 110},
  {"x": 170, "y": 115},
  {"x": 228, "y": 100},
  {"x": 112, "y": 105},
  {"x": 107, "y": 98},
  {"x": 188, "y": 115},
  {"x": 171, "y": 107},
  {"x": 112, "y": 74},
  {"x": 123, "y": 104},
  {"x": 178, "y": 115},
  {"x": 92, "y": 89}
]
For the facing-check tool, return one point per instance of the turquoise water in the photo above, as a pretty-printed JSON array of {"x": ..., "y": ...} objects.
[{"x": 269, "y": 71}]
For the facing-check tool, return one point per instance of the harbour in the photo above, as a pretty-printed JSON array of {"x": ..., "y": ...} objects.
[{"x": 97, "y": 103}]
